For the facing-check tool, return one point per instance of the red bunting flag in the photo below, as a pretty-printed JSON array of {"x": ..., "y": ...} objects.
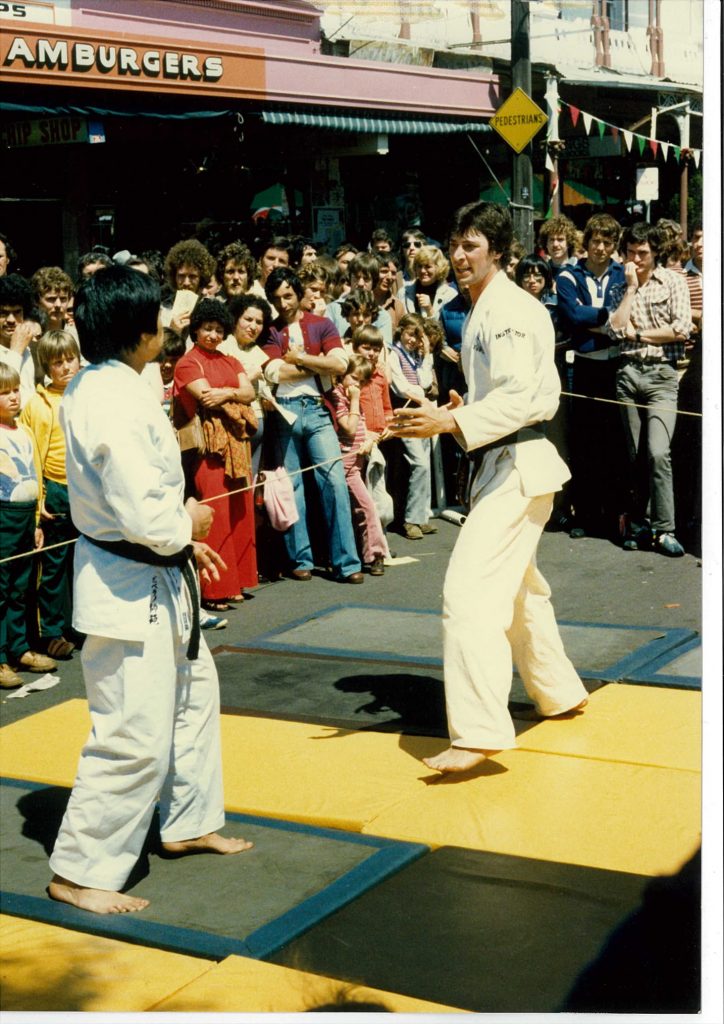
[
  {"x": 574, "y": 114},
  {"x": 654, "y": 146}
]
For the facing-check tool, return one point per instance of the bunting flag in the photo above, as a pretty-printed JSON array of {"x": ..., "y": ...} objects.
[
  {"x": 628, "y": 136},
  {"x": 550, "y": 166}
]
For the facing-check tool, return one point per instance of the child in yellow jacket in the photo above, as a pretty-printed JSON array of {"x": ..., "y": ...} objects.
[
  {"x": 20, "y": 534},
  {"x": 59, "y": 358}
]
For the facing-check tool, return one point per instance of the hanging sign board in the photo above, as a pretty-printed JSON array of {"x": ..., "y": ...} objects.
[
  {"x": 647, "y": 184},
  {"x": 518, "y": 120}
]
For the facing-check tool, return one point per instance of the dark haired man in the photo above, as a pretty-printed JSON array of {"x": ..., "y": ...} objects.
[
  {"x": 272, "y": 254},
  {"x": 17, "y": 331},
  {"x": 587, "y": 293},
  {"x": 92, "y": 261},
  {"x": 305, "y": 351},
  {"x": 364, "y": 272},
  {"x": 653, "y": 323},
  {"x": 496, "y": 603},
  {"x": 136, "y": 599}
]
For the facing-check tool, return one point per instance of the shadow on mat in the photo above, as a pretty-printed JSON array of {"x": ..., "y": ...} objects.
[
  {"x": 418, "y": 701},
  {"x": 43, "y": 811}
]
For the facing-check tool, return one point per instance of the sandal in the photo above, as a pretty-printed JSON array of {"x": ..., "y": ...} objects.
[
  {"x": 216, "y": 606},
  {"x": 236, "y": 599},
  {"x": 59, "y": 647}
]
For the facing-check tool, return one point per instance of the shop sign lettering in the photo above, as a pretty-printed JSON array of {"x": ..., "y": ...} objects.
[
  {"x": 108, "y": 59},
  {"x": 48, "y": 131}
]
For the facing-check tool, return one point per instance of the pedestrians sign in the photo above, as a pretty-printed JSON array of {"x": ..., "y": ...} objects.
[{"x": 518, "y": 120}]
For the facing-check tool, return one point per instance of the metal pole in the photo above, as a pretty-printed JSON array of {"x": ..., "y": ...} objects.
[
  {"x": 522, "y": 163},
  {"x": 553, "y": 144}
]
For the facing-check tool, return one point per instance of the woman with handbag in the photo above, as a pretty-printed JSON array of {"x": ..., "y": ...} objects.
[{"x": 214, "y": 387}]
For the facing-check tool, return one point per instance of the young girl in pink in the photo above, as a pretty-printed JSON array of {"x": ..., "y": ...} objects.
[{"x": 353, "y": 441}]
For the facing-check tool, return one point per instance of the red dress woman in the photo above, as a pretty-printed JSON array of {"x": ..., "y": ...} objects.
[{"x": 215, "y": 386}]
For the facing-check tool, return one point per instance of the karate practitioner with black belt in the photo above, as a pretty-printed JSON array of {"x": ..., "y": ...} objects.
[
  {"x": 496, "y": 603},
  {"x": 151, "y": 682}
]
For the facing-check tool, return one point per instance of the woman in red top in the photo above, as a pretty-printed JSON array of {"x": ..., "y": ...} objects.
[{"x": 216, "y": 386}]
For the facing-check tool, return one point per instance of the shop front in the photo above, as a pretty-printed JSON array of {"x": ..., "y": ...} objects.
[{"x": 134, "y": 124}]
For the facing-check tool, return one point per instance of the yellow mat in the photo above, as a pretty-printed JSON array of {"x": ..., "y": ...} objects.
[
  {"x": 46, "y": 968},
  {"x": 241, "y": 985},
  {"x": 564, "y": 803},
  {"x": 644, "y": 725},
  {"x": 620, "y": 817}
]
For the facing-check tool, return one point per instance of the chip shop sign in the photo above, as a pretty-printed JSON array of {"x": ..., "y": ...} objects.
[
  {"x": 34, "y": 56},
  {"x": 47, "y": 131}
]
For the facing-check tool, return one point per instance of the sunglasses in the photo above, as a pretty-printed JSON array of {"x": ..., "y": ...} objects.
[{"x": 412, "y": 245}]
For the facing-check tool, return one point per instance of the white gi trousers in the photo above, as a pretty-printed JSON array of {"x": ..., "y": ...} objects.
[
  {"x": 155, "y": 736},
  {"x": 496, "y": 610}
]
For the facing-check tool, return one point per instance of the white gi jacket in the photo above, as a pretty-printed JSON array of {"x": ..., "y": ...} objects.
[
  {"x": 125, "y": 482},
  {"x": 507, "y": 358}
]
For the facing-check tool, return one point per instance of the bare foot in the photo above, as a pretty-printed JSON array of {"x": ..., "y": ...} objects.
[
  {"x": 457, "y": 759},
  {"x": 531, "y": 715},
  {"x": 97, "y": 901},
  {"x": 211, "y": 843}
]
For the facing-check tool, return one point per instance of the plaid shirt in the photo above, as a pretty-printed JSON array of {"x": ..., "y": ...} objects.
[{"x": 663, "y": 301}]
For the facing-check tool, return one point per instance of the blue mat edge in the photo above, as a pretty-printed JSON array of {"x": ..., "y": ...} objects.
[
  {"x": 390, "y": 856},
  {"x": 637, "y": 661},
  {"x": 649, "y": 674}
]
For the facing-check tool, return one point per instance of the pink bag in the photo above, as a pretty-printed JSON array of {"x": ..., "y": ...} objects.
[{"x": 279, "y": 498}]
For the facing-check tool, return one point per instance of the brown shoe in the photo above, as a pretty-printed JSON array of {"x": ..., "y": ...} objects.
[
  {"x": 301, "y": 574},
  {"x": 354, "y": 577},
  {"x": 412, "y": 531},
  {"x": 9, "y": 678},
  {"x": 377, "y": 568},
  {"x": 31, "y": 661},
  {"x": 427, "y": 528}
]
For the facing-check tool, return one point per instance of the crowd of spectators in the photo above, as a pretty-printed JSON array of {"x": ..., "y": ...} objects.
[{"x": 291, "y": 357}]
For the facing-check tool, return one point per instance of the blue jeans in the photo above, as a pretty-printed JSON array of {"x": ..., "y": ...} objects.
[
  {"x": 417, "y": 454},
  {"x": 313, "y": 435}
]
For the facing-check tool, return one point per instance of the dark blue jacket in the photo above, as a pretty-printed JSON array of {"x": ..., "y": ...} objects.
[
  {"x": 576, "y": 287},
  {"x": 452, "y": 316}
]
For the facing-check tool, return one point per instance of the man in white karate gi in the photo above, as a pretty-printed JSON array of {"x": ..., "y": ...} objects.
[
  {"x": 496, "y": 604},
  {"x": 151, "y": 683}
]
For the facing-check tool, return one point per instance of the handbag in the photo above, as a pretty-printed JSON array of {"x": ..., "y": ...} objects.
[
  {"x": 190, "y": 436},
  {"x": 279, "y": 502}
]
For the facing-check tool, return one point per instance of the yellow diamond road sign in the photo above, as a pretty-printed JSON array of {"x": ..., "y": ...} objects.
[{"x": 518, "y": 120}]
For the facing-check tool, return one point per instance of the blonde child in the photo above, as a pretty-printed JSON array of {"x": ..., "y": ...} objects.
[
  {"x": 412, "y": 378},
  {"x": 59, "y": 359},
  {"x": 19, "y": 533},
  {"x": 353, "y": 441}
]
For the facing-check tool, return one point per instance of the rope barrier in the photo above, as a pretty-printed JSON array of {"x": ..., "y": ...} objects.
[
  {"x": 203, "y": 501},
  {"x": 635, "y": 405},
  {"x": 336, "y": 458}
]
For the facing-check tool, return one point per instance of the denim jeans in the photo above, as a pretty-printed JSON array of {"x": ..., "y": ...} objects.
[
  {"x": 657, "y": 387},
  {"x": 417, "y": 455},
  {"x": 313, "y": 435}
]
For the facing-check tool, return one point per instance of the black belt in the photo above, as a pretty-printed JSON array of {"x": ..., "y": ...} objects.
[
  {"x": 530, "y": 433},
  {"x": 183, "y": 560}
]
